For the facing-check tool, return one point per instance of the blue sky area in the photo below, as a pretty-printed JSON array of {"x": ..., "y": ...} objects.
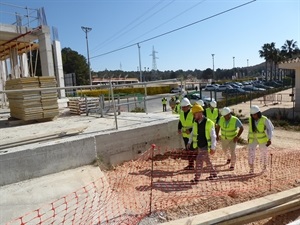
[{"x": 239, "y": 33}]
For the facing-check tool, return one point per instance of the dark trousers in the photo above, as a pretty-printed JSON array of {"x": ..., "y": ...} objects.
[
  {"x": 191, "y": 154},
  {"x": 164, "y": 107},
  {"x": 203, "y": 156}
]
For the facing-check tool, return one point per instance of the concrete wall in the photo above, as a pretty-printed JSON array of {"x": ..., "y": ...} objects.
[{"x": 33, "y": 161}]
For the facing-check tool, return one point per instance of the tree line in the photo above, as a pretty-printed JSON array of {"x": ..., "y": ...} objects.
[{"x": 73, "y": 62}]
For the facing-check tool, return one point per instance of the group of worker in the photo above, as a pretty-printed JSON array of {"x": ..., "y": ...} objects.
[{"x": 201, "y": 129}]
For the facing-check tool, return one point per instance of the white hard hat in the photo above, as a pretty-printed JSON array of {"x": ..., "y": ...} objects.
[
  {"x": 177, "y": 101},
  {"x": 213, "y": 103},
  {"x": 200, "y": 102},
  {"x": 225, "y": 111},
  {"x": 254, "y": 109},
  {"x": 185, "y": 102}
]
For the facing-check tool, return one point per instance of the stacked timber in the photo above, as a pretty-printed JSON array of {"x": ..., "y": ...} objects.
[
  {"x": 33, "y": 104},
  {"x": 79, "y": 106},
  {"x": 49, "y": 97}
]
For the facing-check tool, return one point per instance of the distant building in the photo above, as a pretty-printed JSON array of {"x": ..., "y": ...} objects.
[{"x": 115, "y": 81}]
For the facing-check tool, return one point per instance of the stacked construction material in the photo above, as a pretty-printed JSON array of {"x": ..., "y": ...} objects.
[
  {"x": 79, "y": 106},
  {"x": 34, "y": 104},
  {"x": 49, "y": 97}
]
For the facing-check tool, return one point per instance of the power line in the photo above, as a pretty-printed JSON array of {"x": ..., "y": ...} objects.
[
  {"x": 188, "y": 9},
  {"x": 124, "y": 31},
  {"x": 177, "y": 29}
]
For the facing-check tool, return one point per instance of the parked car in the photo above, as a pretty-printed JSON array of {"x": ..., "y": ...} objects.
[
  {"x": 234, "y": 91},
  {"x": 196, "y": 97},
  {"x": 177, "y": 90},
  {"x": 224, "y": 87},
  {"x": 252, "y": 88},
  {"x": 210, "y": 87},
  {"x": 263, "y": 86}
]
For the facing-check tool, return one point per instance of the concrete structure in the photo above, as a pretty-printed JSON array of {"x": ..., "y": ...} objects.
[
  {"x": 49, "y": 153},
  {"x": 294, "y": 64},
  {"x": 19, "y": 39}
]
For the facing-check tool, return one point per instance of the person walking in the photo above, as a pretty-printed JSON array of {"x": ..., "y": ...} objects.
[
  {"x": 177, "y": 107},
  {"x": 260, "y": 134},
  {"x": 231, "y": 129},
  {"x": 185, "y": 125},
  {"x": 172, "y": 103},
  {"x": 212, "y": 112},
  {"x": 164, "y": 104},
  {"x": 203, "y": 140}
]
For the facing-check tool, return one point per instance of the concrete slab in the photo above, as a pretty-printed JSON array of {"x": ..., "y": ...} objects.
[{"x": 24, "y": 197}]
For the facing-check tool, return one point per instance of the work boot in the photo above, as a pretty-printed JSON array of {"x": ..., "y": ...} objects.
[{"x": 228, "y": 161}]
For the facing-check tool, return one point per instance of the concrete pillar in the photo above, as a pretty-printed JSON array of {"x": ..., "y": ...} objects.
[
  {"x": 45, "y": 49},
  {"x": 24, "y": 65},
  {"x": 297, "y": 90},
  {"x": 59, "y": 68},
  {"x": 14, "y": 65},
  {"x": 3, "y": 76}
]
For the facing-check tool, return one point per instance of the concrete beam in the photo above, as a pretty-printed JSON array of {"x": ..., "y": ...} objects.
[{"x": 232, "y": 213}]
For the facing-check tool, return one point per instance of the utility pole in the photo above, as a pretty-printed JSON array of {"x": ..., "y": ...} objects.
[
  {"x": 86, "y": 30},
  {"x": 213, "y": 60},
  {"x": 141, "y": 75},
  {"x": 233, "y": 58}
]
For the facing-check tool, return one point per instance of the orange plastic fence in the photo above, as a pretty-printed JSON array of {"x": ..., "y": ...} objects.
[{"x": 158, "y": 181}]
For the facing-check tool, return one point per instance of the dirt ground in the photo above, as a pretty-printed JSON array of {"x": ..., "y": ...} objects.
[{"x": 173, "y": 196}]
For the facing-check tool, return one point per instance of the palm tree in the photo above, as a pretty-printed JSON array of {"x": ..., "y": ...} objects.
[
  {"x": 269, "y": 53},
  {"x": 289, "y": 49}
]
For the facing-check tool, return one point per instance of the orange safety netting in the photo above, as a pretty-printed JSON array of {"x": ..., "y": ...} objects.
[{"x": 157, "y": 181}]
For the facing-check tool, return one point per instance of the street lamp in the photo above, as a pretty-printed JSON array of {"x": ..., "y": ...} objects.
[
  {"x": 233, "y": 58},
  {"x": 86, "y": 30},
  {"x": 247, "y": 62},
  {"x": 213, "y": 60}
]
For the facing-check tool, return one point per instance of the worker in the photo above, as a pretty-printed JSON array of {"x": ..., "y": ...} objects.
[
  {"x": 231, "y": 129},
  {"x": 260, "y": 133},
  {"x": 212, "y": 112},
  {"x": 172, "y": 103},
  {"x": 203, "y": 140},
  {"x": 185, "y": 128},
  {"x": 177, "y": 107},
  {"x": 164, "y": 104}
]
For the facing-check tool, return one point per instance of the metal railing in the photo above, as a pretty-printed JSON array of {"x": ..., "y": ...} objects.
[{"x": 110, "y": 88}]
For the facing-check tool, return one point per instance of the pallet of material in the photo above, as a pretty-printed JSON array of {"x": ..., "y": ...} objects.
[
  {"x": 79, "y": 105},
  {"x": 32, "y": 105}
]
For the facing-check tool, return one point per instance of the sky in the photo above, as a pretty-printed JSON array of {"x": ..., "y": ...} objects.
[{"x": 183, "y": 33}]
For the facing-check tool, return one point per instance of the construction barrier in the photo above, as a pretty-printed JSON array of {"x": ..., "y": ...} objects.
[{"x": 157, "y": 181}]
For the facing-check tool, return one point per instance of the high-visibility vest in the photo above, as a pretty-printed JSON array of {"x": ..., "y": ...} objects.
[
  {"x": 212, "y": 115},
  {"x": 260, "y": 134},
  {"x": 186, "y": 123},
  {"x": 208, "y": 126},
  {"x": 177, "y": 108},
  {"x": 164, "y": 101},
  {"x": 228, "y": 128}
]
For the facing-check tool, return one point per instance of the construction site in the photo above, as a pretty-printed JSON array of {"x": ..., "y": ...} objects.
[{"x": 116, "y": 166}]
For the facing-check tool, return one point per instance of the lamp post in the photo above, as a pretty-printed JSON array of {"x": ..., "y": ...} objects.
[
  {"x": 247, "y": 62},
  {"x": 140, "y": 64},
  {"x": 213, "y": 60},
  {"x": 86, "y": 30},
  {"x": 233, "y": 59}
]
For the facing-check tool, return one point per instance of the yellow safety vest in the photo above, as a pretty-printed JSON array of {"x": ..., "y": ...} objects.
[
  {"x": 260, "y": 134},
  {"x": 212, "y": 115},
  {"x": 177, "y": 108},
  {"x": 186, "y": 123},
  {"x": 208, "y": 126},
  {"x": 228, "y": 129},
  {"x": 164, "y": 101}
]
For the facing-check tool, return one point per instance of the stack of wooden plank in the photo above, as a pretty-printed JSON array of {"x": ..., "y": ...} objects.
[
  {"x": 32, "y": 105},
  {"x": 49, "y": 97},
  {"x": 79, "y": 106}
]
